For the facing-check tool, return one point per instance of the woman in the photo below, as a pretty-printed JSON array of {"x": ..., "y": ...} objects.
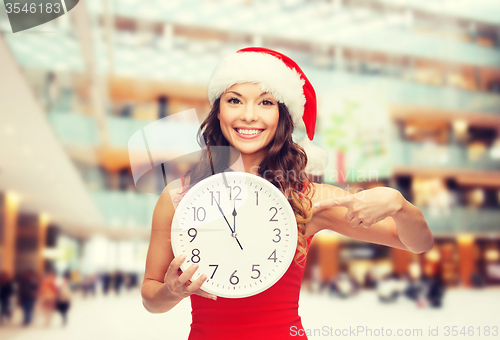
[{"x": 258, "y": 96}]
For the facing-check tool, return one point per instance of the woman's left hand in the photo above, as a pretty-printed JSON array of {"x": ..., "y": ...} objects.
[{"x": 367, "y": 207}]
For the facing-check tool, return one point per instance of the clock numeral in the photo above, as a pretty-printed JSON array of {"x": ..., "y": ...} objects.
[
  {"x": 271, "y": 257},
  {"x": 278, "y": 234},
  {"x": 256, "y": 197},
  {"x": 213, "y": 198},
  {"x": 196, "y": 257},
  {"x": 231, "y": 193},
  {"x": 233, "y": 279},
  {"x": 192, "y": 232},
  {"x": 216, "y": 266},
  {"x": 255, "y": 270},
  {"x": 197, "y": 215},
  {"x": 275, "y": 212}
]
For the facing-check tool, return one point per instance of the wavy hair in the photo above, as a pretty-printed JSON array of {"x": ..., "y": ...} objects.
[{"x": 283, "y": 166}]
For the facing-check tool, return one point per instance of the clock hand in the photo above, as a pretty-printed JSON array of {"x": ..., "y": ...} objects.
[
  {"x": 228, "y": 191},
  {"x": 233, "y": 234},
  {"x": 234, "y": 216},
  {"x": 238, "y": 242},
  {"x": 224, "y": 217},
  {"x": 234, "y": 223}
]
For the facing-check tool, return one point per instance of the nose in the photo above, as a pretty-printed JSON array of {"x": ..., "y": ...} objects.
[{"x": 249, "y": 114}]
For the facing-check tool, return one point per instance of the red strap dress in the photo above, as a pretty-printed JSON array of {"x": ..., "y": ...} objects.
[{"x": 272, "y": 314}]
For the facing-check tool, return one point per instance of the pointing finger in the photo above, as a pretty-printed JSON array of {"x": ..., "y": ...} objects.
[
  {"x": 355, "y": 222},
  {"x": 349, "y": 216}
]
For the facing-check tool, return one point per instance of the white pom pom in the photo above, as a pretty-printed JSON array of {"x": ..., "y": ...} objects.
[{"x": 317, "y": 157}]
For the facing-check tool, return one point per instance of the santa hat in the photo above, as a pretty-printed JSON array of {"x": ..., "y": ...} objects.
[{"x": 276, "y": 73}]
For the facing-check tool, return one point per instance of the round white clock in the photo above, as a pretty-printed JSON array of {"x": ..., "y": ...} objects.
[{"x": 241, "y": 231}]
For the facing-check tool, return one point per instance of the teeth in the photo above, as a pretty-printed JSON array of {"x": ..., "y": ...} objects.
[{"x": 248, "y": 132}]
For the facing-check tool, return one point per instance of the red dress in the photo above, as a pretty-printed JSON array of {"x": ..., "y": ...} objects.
[{"x": 272, "y": 314}]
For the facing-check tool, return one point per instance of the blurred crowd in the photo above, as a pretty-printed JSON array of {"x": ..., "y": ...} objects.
[
  {"x": 51, "y": 294},
  {"x": 425, "y": 291}
]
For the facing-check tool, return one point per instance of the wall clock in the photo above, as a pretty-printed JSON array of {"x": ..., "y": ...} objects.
[{"x": 241, "y": 231}]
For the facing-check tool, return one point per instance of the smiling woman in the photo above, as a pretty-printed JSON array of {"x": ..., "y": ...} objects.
[{"x": 258, "y": 96}]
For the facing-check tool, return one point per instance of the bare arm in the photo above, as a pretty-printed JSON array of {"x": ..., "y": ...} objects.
[
  {"x": 387, "y": 217},
  {"x": 412, "y": 229},
  {"x": 164, "y": 286}
]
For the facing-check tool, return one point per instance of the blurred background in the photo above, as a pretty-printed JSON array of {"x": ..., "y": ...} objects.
[{"x": 408, "y": 97}]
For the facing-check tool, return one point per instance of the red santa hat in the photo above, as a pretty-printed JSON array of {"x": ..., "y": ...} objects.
[{"x": 276, "y": 73}]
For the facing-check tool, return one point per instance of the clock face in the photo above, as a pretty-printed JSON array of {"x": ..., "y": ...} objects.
[{"x": 243, "y": 236}]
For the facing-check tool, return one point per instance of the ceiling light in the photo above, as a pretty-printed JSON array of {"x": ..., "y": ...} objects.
[
  {"x": 44, "y": 218},
  {"x": 13, "y": 197}
]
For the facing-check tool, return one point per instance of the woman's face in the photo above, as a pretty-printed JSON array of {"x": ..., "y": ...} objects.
[{"x": 248, "y": 117}]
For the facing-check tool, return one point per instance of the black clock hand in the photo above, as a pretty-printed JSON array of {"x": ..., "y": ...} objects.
[
  {"x": 234, "y": 222},
  {"x": 234, "y": 216},
  {"x": 233, "y": 234},
  {"x": 224, "y": 217},
  {"x": 238, "y": 242},
  {"x": 234, "y": 228},
  {"x": 227, "y": 188}
]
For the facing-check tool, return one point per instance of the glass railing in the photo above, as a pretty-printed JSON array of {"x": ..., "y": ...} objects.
[
  {"x": 75, "y": 129},
  {"x": 121, "y": 129},
  {"x": 462, "y": 219},
  {"x": 80, "y": 130},
  {"x": 125, "y": 209},
  {"x": 484, "y": 11},
  {"x": 439, "y": 156},
  {"x": 392, "y": 90},
  {"x": 83, "y": 130}
]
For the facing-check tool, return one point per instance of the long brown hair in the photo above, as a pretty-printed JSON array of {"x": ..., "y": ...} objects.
[{"x": 283, "y": 166}]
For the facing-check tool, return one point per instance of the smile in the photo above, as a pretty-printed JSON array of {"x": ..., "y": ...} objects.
[{"x": 248, "y": 133}]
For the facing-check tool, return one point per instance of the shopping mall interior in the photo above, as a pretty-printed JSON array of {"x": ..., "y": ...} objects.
[{"x": 408, "y": 97}]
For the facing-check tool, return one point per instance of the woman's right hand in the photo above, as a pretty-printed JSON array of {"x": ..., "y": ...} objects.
[{"x": 179, "y": 283}]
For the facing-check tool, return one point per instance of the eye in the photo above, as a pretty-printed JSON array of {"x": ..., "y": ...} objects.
[
  {"x": 267, "y": 102},
  {"x": 231, "y": 100}
]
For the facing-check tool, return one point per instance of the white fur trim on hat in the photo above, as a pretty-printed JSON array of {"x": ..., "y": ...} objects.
[{"x": 269, "y": 72}]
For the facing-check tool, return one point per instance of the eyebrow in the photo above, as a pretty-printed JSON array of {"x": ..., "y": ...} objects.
[{"x": 263, "y": 93}]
